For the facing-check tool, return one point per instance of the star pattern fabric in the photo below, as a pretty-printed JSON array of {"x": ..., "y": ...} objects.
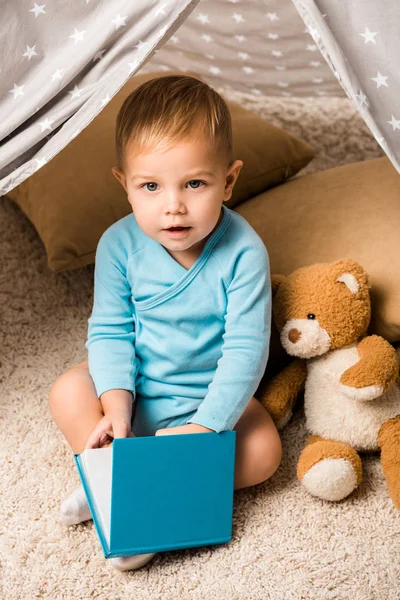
[
  {"x": 52, "y": 86},
  {"x": 62, "y": 63},
  {"x": 360, "y": 43},
  {"x": 252, "y": 46}
]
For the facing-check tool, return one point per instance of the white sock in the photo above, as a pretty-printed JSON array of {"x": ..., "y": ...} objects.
[
  {"x": 75, "y": 509},
  {"x": 128, "y": 563}
]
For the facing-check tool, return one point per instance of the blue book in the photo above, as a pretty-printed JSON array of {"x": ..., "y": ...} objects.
[{"x": 158, "y": 493}]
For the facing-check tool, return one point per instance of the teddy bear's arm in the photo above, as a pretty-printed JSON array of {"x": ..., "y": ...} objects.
[
  {"x": 279, "y": 395},
  {"x": 376, "y": 370}
]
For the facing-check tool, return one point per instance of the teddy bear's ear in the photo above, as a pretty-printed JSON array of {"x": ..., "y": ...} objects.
[
  {"x": 351, "y": 273},
  {"x": 276, "y": 281}
]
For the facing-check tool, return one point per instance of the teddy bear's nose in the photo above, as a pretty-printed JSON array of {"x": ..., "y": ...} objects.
[{"x": 294, "y": 335}]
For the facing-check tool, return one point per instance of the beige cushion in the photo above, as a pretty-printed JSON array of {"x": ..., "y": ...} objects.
[
  {"x": 74, "y": 198},
  {"x": 352, "y": 211}
]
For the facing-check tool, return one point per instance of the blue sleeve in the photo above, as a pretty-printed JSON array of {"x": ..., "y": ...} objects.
[
  {"x": 245, "y": 346},
  {"x": 111, "y": 326}
]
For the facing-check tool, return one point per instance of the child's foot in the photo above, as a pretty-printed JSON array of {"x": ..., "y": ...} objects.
[
  {"x": 128, "y": 563},
  {"x": 75, "y": 509}
]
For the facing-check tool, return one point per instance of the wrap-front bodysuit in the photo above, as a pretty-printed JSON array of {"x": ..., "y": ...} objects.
[{"x": 190, "y": 344}]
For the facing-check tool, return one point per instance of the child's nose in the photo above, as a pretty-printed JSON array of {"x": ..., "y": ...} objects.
[{"x": 174, "y": 203}]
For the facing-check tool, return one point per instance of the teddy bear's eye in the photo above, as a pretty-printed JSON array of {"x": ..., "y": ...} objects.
[{"x": 311, "y": 316}]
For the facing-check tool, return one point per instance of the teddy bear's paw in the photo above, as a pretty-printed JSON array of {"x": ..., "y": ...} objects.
[
  {"x": 331, "y": 479},
  {"x": 329, "y": 469},
  {"x": 370, "y": 392}
]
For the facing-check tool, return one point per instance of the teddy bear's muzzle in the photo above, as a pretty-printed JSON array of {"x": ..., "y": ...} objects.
[{"x": 305, "y": 338}]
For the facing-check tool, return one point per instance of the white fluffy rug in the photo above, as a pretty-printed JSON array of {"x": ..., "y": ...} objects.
[{"x": 286, "y": 544}]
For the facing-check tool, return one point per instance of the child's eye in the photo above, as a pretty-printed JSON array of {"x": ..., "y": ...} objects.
[
  {"x": 150, "y": 183},
  {"x": 196, "y": 181}
]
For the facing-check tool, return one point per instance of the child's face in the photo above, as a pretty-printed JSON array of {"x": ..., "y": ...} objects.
[{"x": 183, "y": 185}]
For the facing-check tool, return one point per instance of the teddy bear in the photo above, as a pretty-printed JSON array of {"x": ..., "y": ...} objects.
[{"x": 350, "y": 380}]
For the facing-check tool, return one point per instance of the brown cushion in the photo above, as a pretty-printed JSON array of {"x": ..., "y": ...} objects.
[
  {"x": 352, "y": 211},
  {"x": 74, "y": 198}
]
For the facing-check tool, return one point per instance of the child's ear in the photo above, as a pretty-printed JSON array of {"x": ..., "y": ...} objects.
[
  {"x": 231, "y": 177},
  {"x": 120, "y": 175}
]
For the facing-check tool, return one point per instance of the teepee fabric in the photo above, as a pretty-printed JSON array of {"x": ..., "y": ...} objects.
[
  {"x": 360, "y": 41},
  {"x": 62, "y": 62}
]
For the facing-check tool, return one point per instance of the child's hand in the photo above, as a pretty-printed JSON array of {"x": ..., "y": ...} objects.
[
  {"x": 189, "y": 428},
  {"x": 114, "y": 424}
]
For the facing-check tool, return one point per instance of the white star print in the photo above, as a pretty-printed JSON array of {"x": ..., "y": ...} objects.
[
  {"x": 30, "y": 52},
  {"x": 57, "y": 74},
  {"x": 380, "y": 80},
  {"x": 368, "y": 36},
  {"x": 105, "y": 100},
  {"x": 40, "y": 161},
  {"x": 243, "y": 55},
  {"x": 215, "y": 70},
  {"x": 78, "y": 35},
  {"x": 46, "y": 124},
  {"x": 311, "y": 48},
  {"x": 283, "y": 84},
  {"x": 238, "y": 18},
  {"x": 272, "y": 17},
  {"x": 76, "y": 92},
  {"x": 119, "y": 21},
  {"x": 207, "y": 38},
  {"x": 248, "y": 70},
  {"x": 317, "y": 80},
  {"x": 240, "y": 38},
  {"x": 161, "y": 10},
  {"x": 362, "y": 98},
  {"x": 165, "y": 68},
  {"x": 313, "y": 31},
  {"x": 17, "y": 91},
  {"x": 280, "y": 68},
  {"x": 203, "y": 18},
  {"x": 256, "y": 91},
  {"x": 276, "y": 53},
  {"x": 234, "y": 1},
  {"x": 38, "y": 10},
  {"x": 142, "y": 46},
  {"x": 273, "y": 36},
  {"x": 98, "y": 55},
  {"x": 288, "y": 94},
  {"x": 315, "y": 63},
  {"x": 394, "y": 123},
  {"x": 210, "y": 56},
  {"x": 174, "y": 39}
]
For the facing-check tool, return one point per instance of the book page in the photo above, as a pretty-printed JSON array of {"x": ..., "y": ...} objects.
[{"x": 97, "y": 465}]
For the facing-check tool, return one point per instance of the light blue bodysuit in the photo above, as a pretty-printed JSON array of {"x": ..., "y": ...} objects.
[{"x": 190, "y": 344}]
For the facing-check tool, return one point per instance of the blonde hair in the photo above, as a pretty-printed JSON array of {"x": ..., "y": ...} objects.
[{"x": 166, "y": 109}]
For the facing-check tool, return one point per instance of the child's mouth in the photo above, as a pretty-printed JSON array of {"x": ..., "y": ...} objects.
[{"x": 177, "y": 231}]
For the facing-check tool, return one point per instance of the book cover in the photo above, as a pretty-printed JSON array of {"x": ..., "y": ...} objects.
[{"x": 158, "y": 493}]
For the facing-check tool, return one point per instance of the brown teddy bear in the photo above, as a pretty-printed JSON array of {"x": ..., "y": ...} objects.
[{"x": 351, "y": 381}]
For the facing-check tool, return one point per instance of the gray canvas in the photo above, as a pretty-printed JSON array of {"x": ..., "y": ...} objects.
[{"x": 61, "y": 63}]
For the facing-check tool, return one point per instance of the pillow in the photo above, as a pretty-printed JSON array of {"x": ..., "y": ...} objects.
[
  {"x": 75, "y": 197},
  {"x": 352, "y": 211}
]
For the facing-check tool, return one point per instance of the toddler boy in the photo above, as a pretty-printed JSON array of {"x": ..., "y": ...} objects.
[{"x": 178, "y": 338}]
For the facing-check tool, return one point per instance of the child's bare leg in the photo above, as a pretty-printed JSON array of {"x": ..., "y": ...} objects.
[
  {"x": 258, "y": 446},
  {"x": 76, "y": 410},
  {"x": 74, "y": 406}
]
